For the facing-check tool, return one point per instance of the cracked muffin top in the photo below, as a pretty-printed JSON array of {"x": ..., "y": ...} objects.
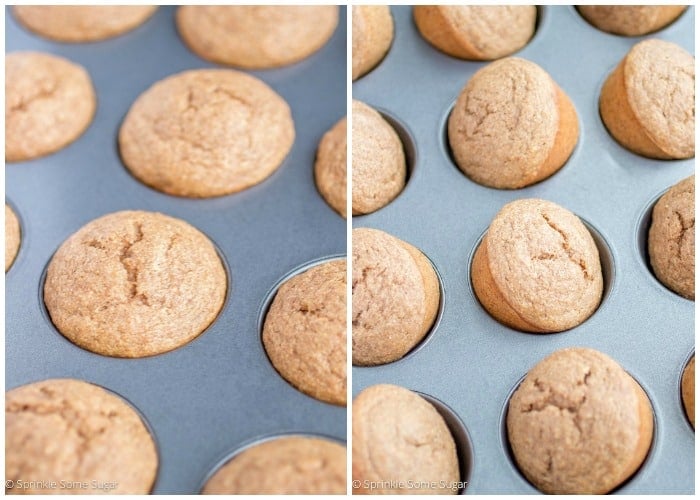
[
  {"x": 204, "y": 133},
  {"x": 134, "y": 284},
  {"x": 672, "y": 238},
  {"x": 305, "y": 331},
  {"x": 578, "y": 423},
  {"x": 70, "y": 431},
  {"x": 397, "y": 436},
  {"x": 292, "y": 465},
  {"x": 538, "y": 268},
  {"x": 49, "y": 102},
  {"x": 512, "y": 125}
]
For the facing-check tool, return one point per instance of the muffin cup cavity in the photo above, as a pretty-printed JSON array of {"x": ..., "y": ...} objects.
[{"x": 460, "y": 434}]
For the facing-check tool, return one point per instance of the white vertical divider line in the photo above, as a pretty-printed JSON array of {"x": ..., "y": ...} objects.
[{"x": 348, "y": 229}]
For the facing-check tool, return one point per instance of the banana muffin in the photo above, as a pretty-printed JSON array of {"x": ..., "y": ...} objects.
[
  {"x": 256, "y": 36},
  {"x": 291, "y": 465},
  {"x": 399, "y": 438},
  {"x": 395, "y": 297},
  {"x": 631, "y": 20},
  {"x": 476, "y": 32},
  {"x": 512, "y": 125},
  {"x": 648, "y": 102},
  {"x": 671, "y": 241},
  {"x": 49, "y": 102},
  {"x": 79, "y": 437},
  {"x": 372, "y": 34},
  {"x": 537, "y": 269},
  {"x": 579, "y": 424}
]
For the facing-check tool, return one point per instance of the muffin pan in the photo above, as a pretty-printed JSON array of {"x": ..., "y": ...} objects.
[
  {"x": 210, "y": 397},
  {"x": 472, "y": 363}
]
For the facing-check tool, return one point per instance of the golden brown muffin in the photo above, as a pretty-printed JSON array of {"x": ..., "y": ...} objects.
[
  {"x": 205, "y": 133},
  {"x": 395, "y": 297},
  {"x": 330, "y": 170},
  {"x": 80, "y": 437},
  {"x": 378, "y": 160},
  {"x": 397, "y": 437},
  {"x": 476, "y": 32},
  {"x": 630, "y": 20},
  {"x": 49, "y": 102},
  {"x": 672, "y": 238},
  {"x": 133, "y": 284},
  {"x": 82, "y": 23},
  {"x": 13, "y": 236},
  {"x": 305, "y": 331},
  {"x": 512, "y": 125},
  {"x": 579, "y": 424},
  {"x": 256, "y": 36},
  {"x": 688, "y": 390},
  {"x": 648, "y": 102},
  {"x": 293, "y": 465},
  {"x": 537, "y": 268},
  {"x": 372, "y": 34}
]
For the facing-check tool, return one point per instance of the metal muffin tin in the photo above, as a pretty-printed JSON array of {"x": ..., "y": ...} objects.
[
  {"x": 218, "y": 392},
  {"x": 471, "y": 362}
]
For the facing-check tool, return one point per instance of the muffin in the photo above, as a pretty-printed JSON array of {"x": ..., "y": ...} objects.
[
  {"x": 630, "y": 20},
  {"x": 671, "y": 240},
  {"x": 12, "y": 236},
  {"x": 304, "y": 333},
  {"x": 79, "y": 437},
  {"x": 512, "y": 125},
  {"x": 330, "y": 169},
  {"x": 291, "y": 465},
  {"x": 256, "y": 36},
  {"x": 49, "y": 102},
  {"x": 476, "y": 32},
  {"x": 579, "y": 424},
  {"x": 148, "y": 284},
  {"x": 395, "y": 297},
  {"x": 205, "y": 133},
  {"x": 648, "y": 102},
  {"x": 372, "y": 34},
  {"x": 378, "y": 161},
  {"x": 537, "y": 269},
  {"x": 82, "y": 23},
  {"x": 688, "y": 390},
  {"x": 398, "y": 438}
]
